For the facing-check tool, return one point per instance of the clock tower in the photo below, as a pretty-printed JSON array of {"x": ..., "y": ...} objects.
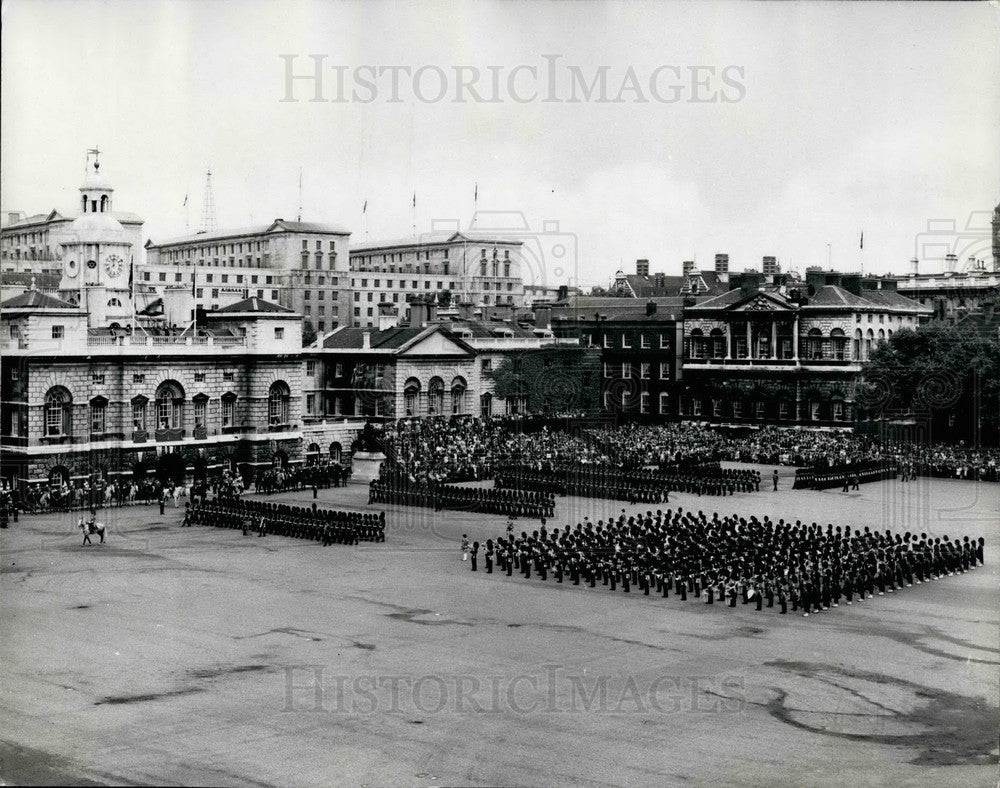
[{"x": 97, "y": 256}]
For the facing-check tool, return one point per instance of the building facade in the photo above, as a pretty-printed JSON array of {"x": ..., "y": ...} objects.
[
  {"x": 122, "y": 404},
  {"x": 481, "y": 268},
  {"x": 772, "y": 352}
]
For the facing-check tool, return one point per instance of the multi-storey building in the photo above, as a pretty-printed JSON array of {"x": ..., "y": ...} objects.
[
  {"x": 954, "y": 292},
  {"x": 771, "y": 350},
  {"x": 640, "y": 351},
  {"x": 467, "y": 266},
  {"x": 299, "y": 265},
  {"x": 120, "y": 403}
]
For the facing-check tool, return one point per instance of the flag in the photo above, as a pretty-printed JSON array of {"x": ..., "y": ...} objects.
[
  {"x": 475, "y": 196},
  {"x": 862, "y": 239},
  {"x": 364, "y": 208},
  {"x": 131, "y": 272},
  {"x": 194, "y": 284},
  {"x": 185, "y": 200},
  {"x": 414, "y": 199}
]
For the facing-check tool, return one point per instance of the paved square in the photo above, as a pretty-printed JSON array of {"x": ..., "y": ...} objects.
[{"x": 199, "y": 656}]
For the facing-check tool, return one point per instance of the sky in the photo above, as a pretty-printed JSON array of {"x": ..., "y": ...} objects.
[{"x": 753, "y": 129}]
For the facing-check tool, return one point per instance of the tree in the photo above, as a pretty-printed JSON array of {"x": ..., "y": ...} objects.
[
  {"x": 444, "y": 298},
  {"x": 551, "y": 380},
  {"x": 947, "y": 375},
  {"x": 308, "y": 333}
]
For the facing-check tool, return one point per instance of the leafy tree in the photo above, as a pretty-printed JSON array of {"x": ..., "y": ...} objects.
[
  {"x": 308, "y": 333},
  {"x": 444, "y": 298},
  {"x": 937, "y": 370},
  {"x": 551, "y": 380}
]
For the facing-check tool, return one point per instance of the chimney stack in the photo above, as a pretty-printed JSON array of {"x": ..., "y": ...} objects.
[
  {"x": 388, "y": 316},
  {"x": 366, "y": 340},
  {"x": 543, "y": 316},
  {"x": 914, "y": 266},
  {"x": 950, "y": 262},
  {"x": 418, "y": 313},
  {"x": 722, "y": 267},
  {"x": 650, "y": 307},
  {"x": 642, "y": 267}
]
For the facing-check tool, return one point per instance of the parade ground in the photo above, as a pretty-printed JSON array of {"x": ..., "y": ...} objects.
[{"x": 200, "y": 656}]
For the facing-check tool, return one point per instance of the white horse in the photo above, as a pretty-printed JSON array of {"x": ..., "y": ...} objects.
[{"x": 91, "y": 527}]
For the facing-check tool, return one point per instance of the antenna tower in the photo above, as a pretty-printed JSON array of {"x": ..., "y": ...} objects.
[{"x": 208, "y": 223}]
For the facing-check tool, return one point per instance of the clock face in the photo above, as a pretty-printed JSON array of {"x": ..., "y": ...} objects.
[{"x": 113, "y": 265}]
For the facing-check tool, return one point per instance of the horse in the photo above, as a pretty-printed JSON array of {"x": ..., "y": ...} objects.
[{"x": 91, "y": 527}]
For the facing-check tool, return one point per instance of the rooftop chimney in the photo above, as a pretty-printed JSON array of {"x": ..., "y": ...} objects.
[
  {"x": 950, "y": 262},
  {"x": 418, "y": 313},
  {"x": 642, "y": 267},
  {"x": 914, "y": 266},
  {"x": 388, "y": 316},
  {"x": 543, "y": 316},
  {"x": 366, "y": 340},
  {"x": 650, "y": 307}
]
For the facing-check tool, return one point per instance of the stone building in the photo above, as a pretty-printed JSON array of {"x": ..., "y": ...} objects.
[
  {"x": 468, "y": 266},
  {"x": 124, "y": 403},
  {"x": 774, "y": 350}
]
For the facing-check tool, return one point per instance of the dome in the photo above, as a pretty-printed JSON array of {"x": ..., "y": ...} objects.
[
  {"x": 94, "y": 180},
  {"x": 97, "y": 228}
]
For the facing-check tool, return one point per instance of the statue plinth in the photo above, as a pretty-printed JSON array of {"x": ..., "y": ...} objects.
[{"x": 365, "y": 465}]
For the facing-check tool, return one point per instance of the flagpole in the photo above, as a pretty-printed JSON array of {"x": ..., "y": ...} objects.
[
  {"x": 194, "y": 297},
  {"x": 414, "y": 214}
]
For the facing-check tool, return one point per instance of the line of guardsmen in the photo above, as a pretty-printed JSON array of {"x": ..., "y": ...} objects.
[
  {"x": 328, "y": 526},
  {"x": 396, "y": 488},
  {"x": 634, "y": 486},
  {"x": 731, "y": 558},
  {"x": 820, "y": 478}
]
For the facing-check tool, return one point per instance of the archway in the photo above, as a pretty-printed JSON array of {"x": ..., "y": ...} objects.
[
  {"x": 280, "y": 459},
  {"x": 171, "y": 468}
]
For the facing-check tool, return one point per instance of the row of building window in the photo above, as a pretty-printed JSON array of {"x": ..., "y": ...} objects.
[{"x": 168, "y": 409}]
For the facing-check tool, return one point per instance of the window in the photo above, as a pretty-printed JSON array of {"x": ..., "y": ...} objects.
[
  {"x": 644, "y": 370},
  {"x": 227, "y": 375},
  {"x": 139, "y": 414},
  {"x": 278, "y": 400},
  {"x": 697, "y": 407},
  {"x": 737, "y": 409},
  {"x": 169, "y": 407},
  {"x": 58, "y": 332},
  {"x": 98, "y": 415},
  {"x": 643, "y": 341},
  {"x": 138, "y": 378},
  {"x": 644, "y": 402},
  {"x": 814, "y": 411},
  {"x": 199, "y": 377},
  {"x": 664, "y": 402},
  {"x": 338, "y": 371},
  {"x": 310, "y": 368},
  {"x": 279, "y": 332},
  {"x": 664, "y": 342},
  {"x": 626, "y": 369},
  {"x": 760, "y": 410},
  {"x": 664, "y": 370},
  {"x": 97, "y": 378},
  {"x": 838, "y": 411},
  {"x": 625, "y": 342},
  {"x": 310, "y": 403},
  {"x": 782, "y": 410},
  {"x": 200, "y": 411},
  {"x": 228, "y": 409},
  {"x": 58, "y": 412},
  {"x": 607, "y": 369},
  {"x": 717, "y": 407},
  {"x": 487, "y": 364}
]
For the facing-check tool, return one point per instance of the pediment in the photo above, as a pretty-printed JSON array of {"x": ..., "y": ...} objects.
[
  {"x": 761, "y": 302},
  {"x": 435, "y": 344}
]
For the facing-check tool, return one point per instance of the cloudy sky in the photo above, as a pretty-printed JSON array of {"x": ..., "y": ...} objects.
[{"x": 669, "y": 131}]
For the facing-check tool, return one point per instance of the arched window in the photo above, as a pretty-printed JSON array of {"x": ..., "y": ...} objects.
[
  {"x": 58, "y": 412},
  {"x": 435, "y": 397},
  {"x": 857, "y": 344},
  {"x": 838, "y": 344},
  {"x": 814, "y": 348},
  {"x": 458, "y": 389},
  {"x": 486, "y": 405},
  {"x": 114, "y": 302},
  {"x": 336, "y": 451},
  {"x": 881, "y": 335},
  {"x": 697, "y": 344},
  {"x": 718, "y": 337},
  {"x": 277, "y": 403},
  {"x": 411, "y": 396},
  {"x": 104, "y": 203},
  {"x": 169, "y": 406}
]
